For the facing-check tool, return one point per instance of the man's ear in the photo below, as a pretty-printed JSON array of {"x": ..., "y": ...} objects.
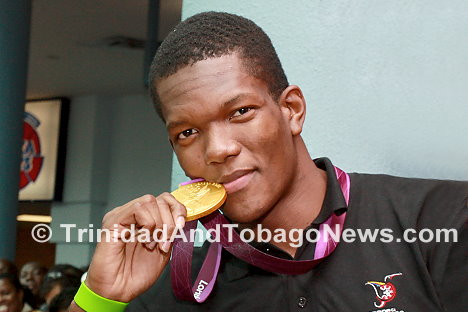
[{"x": 293, "y": 107}]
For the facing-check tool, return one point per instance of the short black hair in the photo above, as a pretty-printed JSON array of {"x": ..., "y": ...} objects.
[
  {"x": 13, "y": 280},
  {"x": 215, "y": 34},
  {"x": 8, "y": 267},
  {"x": 64, "y": 275}
]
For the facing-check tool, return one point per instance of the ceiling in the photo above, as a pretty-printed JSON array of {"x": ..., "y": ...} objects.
[{"x": 69, "y": 55}]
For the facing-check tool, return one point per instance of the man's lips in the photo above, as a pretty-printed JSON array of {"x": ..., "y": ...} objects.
[{"x": 237, "y": 180}]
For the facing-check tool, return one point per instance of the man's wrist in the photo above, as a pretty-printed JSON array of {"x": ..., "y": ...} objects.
[
  {"x": 98, "y": 288},
  {"x": 89, "y": 301}
]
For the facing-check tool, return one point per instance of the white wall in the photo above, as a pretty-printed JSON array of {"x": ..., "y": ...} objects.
[
  {"x": 385, "y": 81},
  {"x": 117, "y": 151},
  {"x": 141, "y": 153}
]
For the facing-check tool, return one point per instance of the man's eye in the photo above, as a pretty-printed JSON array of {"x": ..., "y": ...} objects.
[
  {"x": 186, "y": 133},
  {"x": 241, "y": 111}
]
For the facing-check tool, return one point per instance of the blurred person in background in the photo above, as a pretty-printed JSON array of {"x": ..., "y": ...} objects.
[
  {"x": 12, "y": 295},
  {"x": 58, "y": 278},
  {"x": 64, "y": 270},
  {"x": 31, "y": 276},
  {"x": 61, "y": 302},
  {"x": 6, "y": 266}
]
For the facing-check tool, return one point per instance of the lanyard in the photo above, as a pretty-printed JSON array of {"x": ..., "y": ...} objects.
[{"x": 182, "y": 252}]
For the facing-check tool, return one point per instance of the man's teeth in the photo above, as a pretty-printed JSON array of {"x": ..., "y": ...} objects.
[{"x": 3, "y": 308}]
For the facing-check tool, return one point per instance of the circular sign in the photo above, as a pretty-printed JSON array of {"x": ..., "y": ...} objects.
[{"x": 32, "y": 160}]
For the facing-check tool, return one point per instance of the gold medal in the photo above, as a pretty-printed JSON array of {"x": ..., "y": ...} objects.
[{"x": 200, "y": 198}]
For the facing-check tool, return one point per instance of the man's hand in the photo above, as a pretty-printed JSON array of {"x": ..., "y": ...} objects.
[{"x": 122, "y": 271}]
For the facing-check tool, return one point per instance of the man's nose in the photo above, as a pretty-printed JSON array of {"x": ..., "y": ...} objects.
[
  {"x": 219, "y": 146},
  {"x": 27, "y": 277}
]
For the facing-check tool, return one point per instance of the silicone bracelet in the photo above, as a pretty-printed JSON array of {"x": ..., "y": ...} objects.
[{"x": 89, "y": 301}]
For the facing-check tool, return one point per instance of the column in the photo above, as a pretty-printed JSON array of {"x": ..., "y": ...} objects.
[{"x": 15, "y": 19}]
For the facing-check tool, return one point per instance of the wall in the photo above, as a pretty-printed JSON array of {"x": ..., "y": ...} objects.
[
  {"x": 117, "y": 151},
  {"x": 385, "y": 81}
]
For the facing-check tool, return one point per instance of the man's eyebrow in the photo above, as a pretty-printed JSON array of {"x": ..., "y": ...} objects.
[
  {"x": 237, "y": 98},
  {"x": 174, "y": 124},
  {"x": 231, "y": 101}
]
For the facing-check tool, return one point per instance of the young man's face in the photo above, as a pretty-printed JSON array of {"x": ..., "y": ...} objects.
[
  {"x": 225, "y": 127},
  {"x": 31, "y": 276}
]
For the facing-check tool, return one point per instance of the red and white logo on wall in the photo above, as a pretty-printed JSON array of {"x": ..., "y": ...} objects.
[
  {"x": 40, "y": 149},
  {"x": 32, "y": 159}
]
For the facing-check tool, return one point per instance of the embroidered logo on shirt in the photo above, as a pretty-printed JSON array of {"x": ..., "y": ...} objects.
[{"x": 384, "y": 291}]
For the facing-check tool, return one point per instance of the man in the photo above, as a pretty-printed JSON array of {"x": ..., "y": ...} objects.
[
  {"x": 232, "y": 118},
  {"x": 31, "y": 277},
  {"x": 58, "y": 278}
]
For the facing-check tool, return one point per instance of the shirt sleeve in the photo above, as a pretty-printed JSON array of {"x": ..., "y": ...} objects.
[
  {"x": 453, "y": 290},
  {"x": 445, "y": 211}
]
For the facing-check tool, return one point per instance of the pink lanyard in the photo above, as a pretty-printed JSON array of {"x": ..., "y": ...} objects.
[{"x": 181, "y": 262}]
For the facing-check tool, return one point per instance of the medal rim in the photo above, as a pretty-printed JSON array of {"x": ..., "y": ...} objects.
[{"x": 203, "y": 213}]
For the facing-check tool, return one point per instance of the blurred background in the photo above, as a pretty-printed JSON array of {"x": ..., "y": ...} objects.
[{"x": 385, "y": 82}]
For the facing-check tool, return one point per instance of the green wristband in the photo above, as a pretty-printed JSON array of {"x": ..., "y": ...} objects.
[{"x": 89, "y": 301}]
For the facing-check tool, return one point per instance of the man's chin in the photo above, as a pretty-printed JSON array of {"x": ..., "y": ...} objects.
[{"x": 241, "y": 214}]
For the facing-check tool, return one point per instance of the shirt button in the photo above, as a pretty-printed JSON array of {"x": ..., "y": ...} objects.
[{"x": 302, "y": 302}]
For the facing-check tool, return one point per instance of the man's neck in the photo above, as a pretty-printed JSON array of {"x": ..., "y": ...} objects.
[{"x": 301, "y": 204}]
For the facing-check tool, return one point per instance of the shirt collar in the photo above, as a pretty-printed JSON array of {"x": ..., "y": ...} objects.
[{"x": 334, "y": 200}]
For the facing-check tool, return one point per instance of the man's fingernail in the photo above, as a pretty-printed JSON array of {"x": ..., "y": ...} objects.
[
  {"x": 151, "y": 245},
  {"x": 166, "y": 246},
  {"x": 180, "y": 222}
]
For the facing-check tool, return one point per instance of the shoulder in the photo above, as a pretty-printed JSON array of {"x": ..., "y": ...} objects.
[
  {"x": 414, "y": 187},
  {"x": 428, "y": 202}
]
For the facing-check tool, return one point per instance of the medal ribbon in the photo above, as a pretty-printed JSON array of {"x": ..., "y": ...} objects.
[{"x": 181, "y": 262}]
